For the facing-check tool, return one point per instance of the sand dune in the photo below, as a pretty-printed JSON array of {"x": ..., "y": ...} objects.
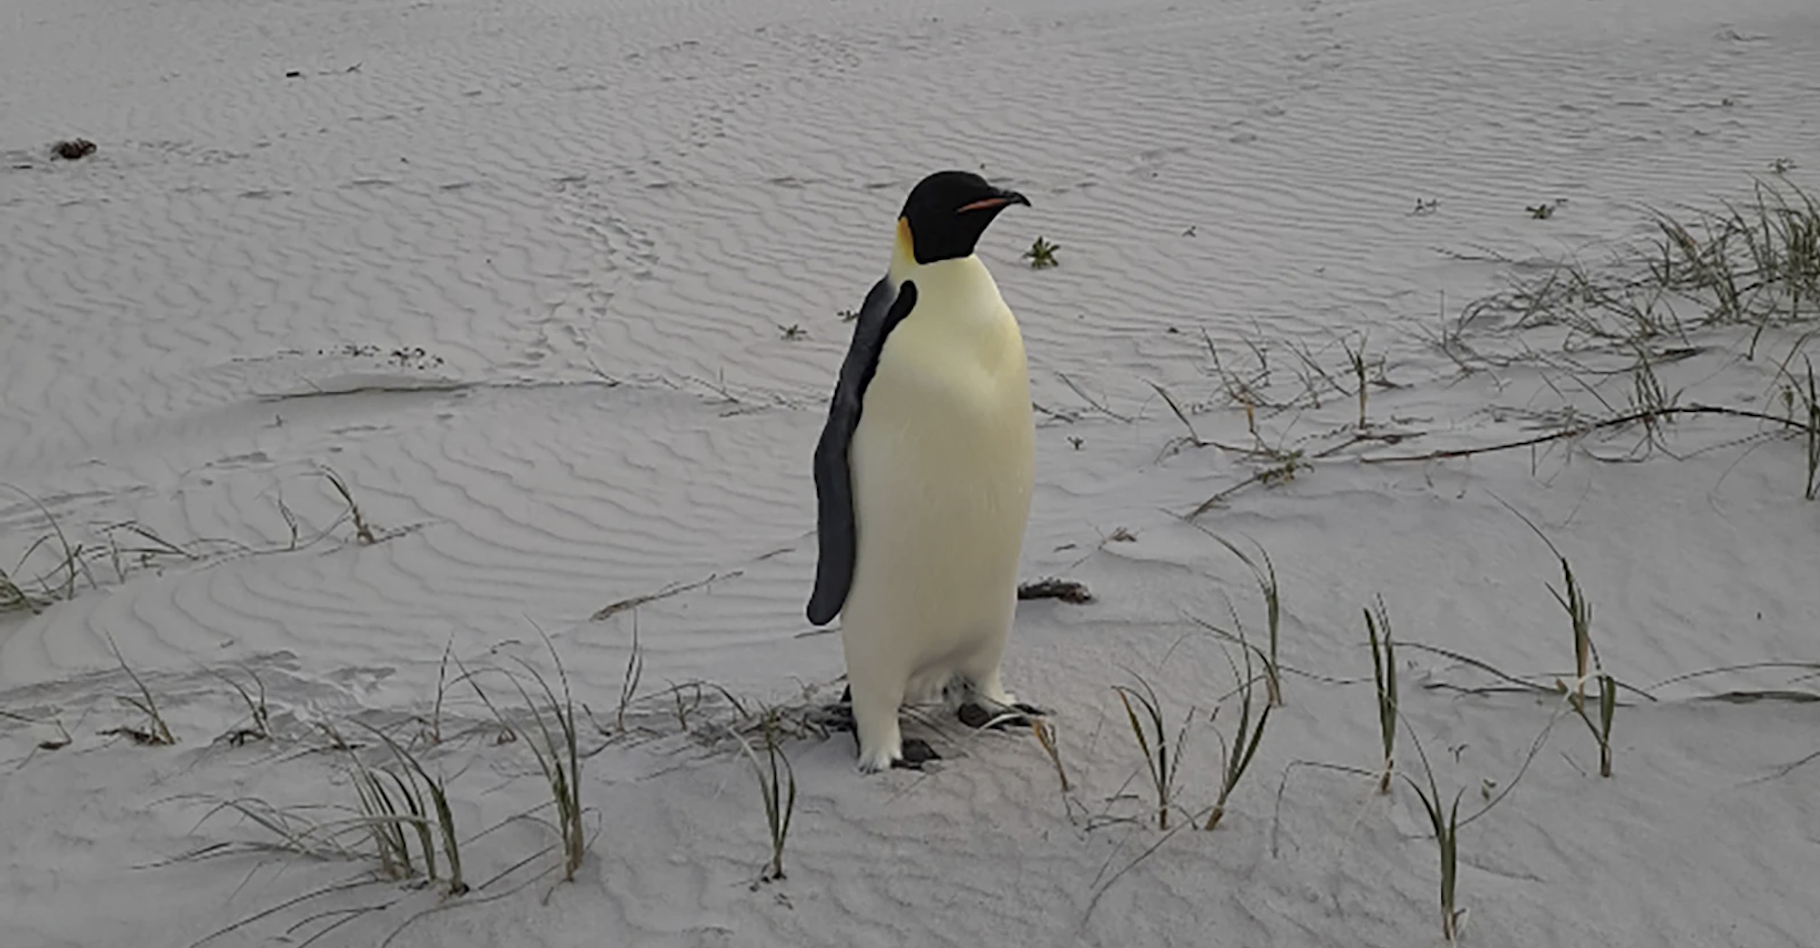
[{"x": 555, "y": 291}]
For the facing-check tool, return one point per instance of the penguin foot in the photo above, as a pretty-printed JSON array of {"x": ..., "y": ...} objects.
[
  {"x": 976, "y": 716},
  {"x": 835, "y": 717},
  {"x": 912, "y": 756},
  {"x": 1030, "y": 709},
  {"x": 917, "y": 752},
  {"x": 839, "y": 715}
]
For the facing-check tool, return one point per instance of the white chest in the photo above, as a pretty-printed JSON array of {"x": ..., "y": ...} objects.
[{"x": 952, "y": 377}]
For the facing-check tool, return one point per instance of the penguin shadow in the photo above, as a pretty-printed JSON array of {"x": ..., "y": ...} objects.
[{"x": 971, "y": 710}]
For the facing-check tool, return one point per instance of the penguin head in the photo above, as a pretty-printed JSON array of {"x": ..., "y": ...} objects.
[{"x": 949, "y": 210}]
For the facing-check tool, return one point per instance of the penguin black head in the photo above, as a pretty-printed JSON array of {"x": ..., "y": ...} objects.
[{"x": 949, "y": 210}]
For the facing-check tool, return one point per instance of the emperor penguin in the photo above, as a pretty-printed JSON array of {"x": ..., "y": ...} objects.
[{"x": 923, "y": 474}]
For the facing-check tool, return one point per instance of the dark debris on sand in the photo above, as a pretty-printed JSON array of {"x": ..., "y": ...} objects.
[
  {"x": 1067, "y": 590},
  {"x": 73, "y": 149}
]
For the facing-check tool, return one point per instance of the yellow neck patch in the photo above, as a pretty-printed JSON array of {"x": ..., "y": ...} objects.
[{"x": 903, "y": 251}]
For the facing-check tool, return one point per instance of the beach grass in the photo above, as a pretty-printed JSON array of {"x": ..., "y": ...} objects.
[
  {"x": 777, "y": 788},
  {"x": 258, "y": 725},
  {"x": 1237, "y": 752},
  {"x": 556, "y": 747},
  {"x": 1384, "y": 676},
  {"x": 1444, "y": 821},
  {"x": 1149, "y": 733},
  {"x": 1264, "y": 574},
  {"x": 424, "y": 799},
  {"x": 156, "y": 731},
  {"x": 363, "y": 528}
]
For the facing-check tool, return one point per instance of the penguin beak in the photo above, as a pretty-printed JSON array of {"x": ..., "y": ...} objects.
[{"x": 998, "y": 201}]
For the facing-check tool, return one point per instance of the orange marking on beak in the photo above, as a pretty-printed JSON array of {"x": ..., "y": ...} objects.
[{"x": 983, "y": 204}]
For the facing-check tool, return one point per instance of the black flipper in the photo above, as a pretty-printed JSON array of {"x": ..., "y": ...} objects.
[{"x": 884, "y": 308}]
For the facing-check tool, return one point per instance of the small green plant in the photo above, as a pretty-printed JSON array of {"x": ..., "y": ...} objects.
[
  {"x": 682, "y": 709},
  {"x": 1650, "y": 400},
  {"x": 71, "y": 564},
  {"x": 363, "y": 530},
  {"x": 777, "y": 787},
  {"x": 1153, "y": 743},
  {"x": 1759, "y": 263},
  {"x": 12, "y": 597},
  {"x": 565, "y": 781},
  {"x": 1781, "y": 166},
  {"x": 156, "y": 732},
  {"x": 1288, "y": 465},
  {"x": 556, "y": 748},
  {"x": 1042, "y": 254},
  {"x": 384, "y": 821},
  {"x": 1357, "y": 360},
  {"x": 792, "y": 332},
  {"x": 848, "y": 315},
  {"x": 1193, "y": 438},
  {"x": 433, "y": 727},
  {"x": 1046, "y": 737},
  {"x": 1236, "y": 754},
  {"x": 1384, "y": 674},
  {"x": 1542, "y": 211},
  {"x": 1264, "y": 573},
  {"x": 1608, "y": 706},
  {"x": 259, "y": 718},
  {"x": 1810, "y": 401},
  {"x": 1579, "y": 612},
  {"x": 1446, "y": 826},
  {"x": 423, "y": 798},
  {"x": 635, "y": 672}
]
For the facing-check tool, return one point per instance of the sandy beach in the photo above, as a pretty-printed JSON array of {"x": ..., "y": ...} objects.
[{"x": 382, "y": 356}]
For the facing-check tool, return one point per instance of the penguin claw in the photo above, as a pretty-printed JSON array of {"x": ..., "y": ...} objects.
[
  {"x": 836, "y": 717},
  {"x": 976, "y": 716},
  {"x": 1030, "y": 709},
  {"x": 917, "y": 752},
  {"x": 973, "y": 715},
  {"x": 839, "y": 715}
]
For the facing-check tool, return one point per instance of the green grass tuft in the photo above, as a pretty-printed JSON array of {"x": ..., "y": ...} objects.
[
  {"x": 156, "y": 732},
  {"x": 1384, "y": 674},
  {"x": 1236, "y": 754},
  {"x": 425, "y": 798},
  {"x": 1042, "y": 254},
  {"x": 556, "y": 748},
  {"x": 1153, "y": 744},
  {"x": 1810, "y": 403},
  {"x": 259, "y": 718},
  {"x": 776, "y": 786},
  {"x": 1586, "y": 667},
  {"x": 1264, "y": 574},
  {"x": 635, "y": 672}
]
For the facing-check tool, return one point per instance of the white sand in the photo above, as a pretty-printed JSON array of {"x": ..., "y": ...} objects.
[{"x": 534, "y": 192}]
